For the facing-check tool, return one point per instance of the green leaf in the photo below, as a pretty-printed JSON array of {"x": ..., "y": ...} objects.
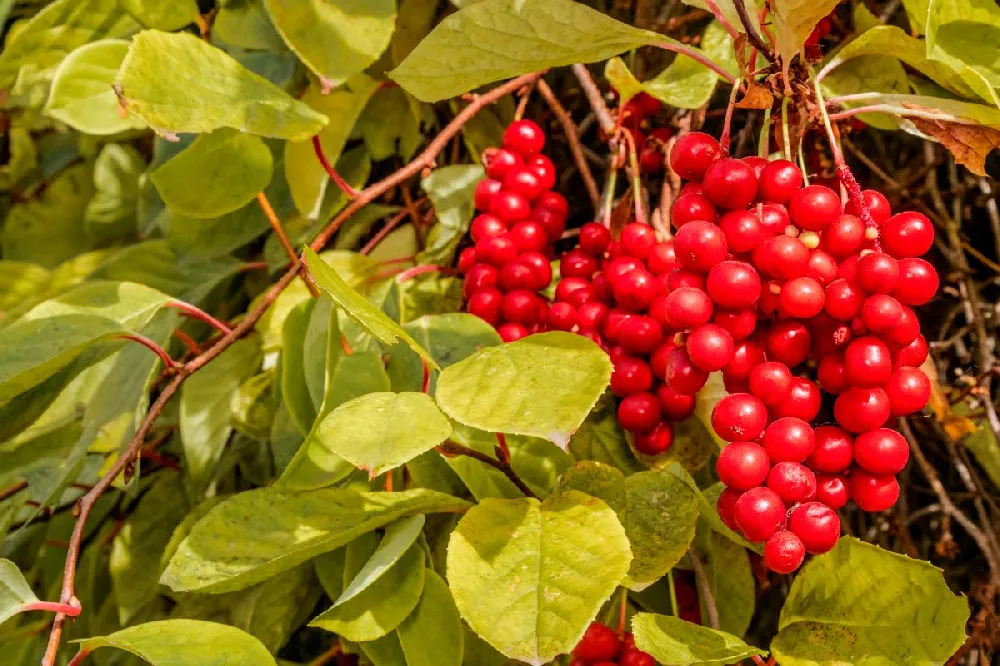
[
  {"x": 166, "y": 15},
  {"x": 529, "y": 577},
  {"x": 543, "y": 386},
  {"x": 186, "y": 642},
  {"x": 59, "y": 29},
  {"x": 866, "y": 74},
  {"x": 137, "y": 548},
  {"x": 380, "y": 431},
  {"x": 602, "y": 439},
  {"x": 206, "y": 417},
  {"x": 793, "y": 20},
  {"x": 730, "y": 580},
  {"x": 688, "y": 84},
  {"x": 986, "y": 450},
  {"x": 178, "y": 83},
  {"x": 398, "y": 538},
  {"x": 275, "y": 530},
  {"x": 81, "y": 94},
  {"x": 217, "y": 174},
  {"x": 859, "y": 604},
  {"x": 674, "y": 641},
  {"x": 658, "y": 511},
  {"x": 14, "y": 591},
  {"x": 916, "y": 12},
  {"x": 307, "y": 179},
  {"x": 366, "y": 314},
  {"x": 110, "y": 215},
  {"x": 379, "y": 608},
  {"x": 498, "y": 39},
  {"x": 963, "y": 34},
  {"x": 728, "y": 9},
  {"x": 336, "y": 39},
  {"x": 54, "y": 333},
  {"x": 391, "y": 123},
  {"x": 386, "y": 651},
  {"x": 292, "y": 375},
  {"x": 452, "y": 191},
  {"x": 432, "y": 635}
]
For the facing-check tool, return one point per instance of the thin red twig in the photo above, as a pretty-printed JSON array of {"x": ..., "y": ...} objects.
[
  {"x": 151, "y": 345},
  {"x": 330, "y": 171},
  {"x": 198, "y": 313},
  {"x": 71, "y": 609},
  {"x": 78, "y": 658}
]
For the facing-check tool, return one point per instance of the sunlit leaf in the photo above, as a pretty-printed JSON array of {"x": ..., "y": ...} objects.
[{"x": 672, "y": 640}]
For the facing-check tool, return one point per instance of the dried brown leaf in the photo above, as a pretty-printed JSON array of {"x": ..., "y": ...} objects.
[
  {"x": 756, "y": 97},
  {"x": 956, "y": 425},
  {"x": 969, "y": 143}
]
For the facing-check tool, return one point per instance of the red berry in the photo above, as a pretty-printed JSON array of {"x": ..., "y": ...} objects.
[
  {"x": 773, "y": 218},
  {"x": 577, "y": 264},
  {"x": 740, "y": 324},
  {"x": 640, "y": 334},
  {"x": 803, "y": 401},
  {"x": 861, "y": 409},
  {"x": 782, "y": 257},
  {"x": 802, "y": 297},
  {"x": 907, "y": 235},
  {"x": 619, "y": 266},
  {"x": 730, "y": 183},
  {"x": 662, "y": 258},
  {"x": 525, "y": 137},
  {"x": 788, "y": 342},
  {"x": 635, "y": 290},
  {"x": 878, "y": 206},
  {"x": 881, "y": 313},
  {"x": 833, "y": 452},
  {"x": 909, "y": 390},
  {"x": 699, "y": 246},
  {"x": 793, "y": 482},
  {"x": 692, "y": 154},
  {"x": 692, "y": 208},
  {"x": 843, "y": 300},
  {"x": 756, "y": 163},
  {"x": 480, "y": 277},
  {"x": 613, "y": 323},
  {"x": 598, "y": 643},
  {"x": 486, "y": 226},
  {"x": 639, "y": 412},
  {"x": 733, "y": 284},
  {"x": 912, "y": 355},
  {"x": 742, "y": 229},
  {"x": 529, "y": 236},
  {"x": 636, "y": 658},
  {"x": 590, "y": 316},
  {"x": 525, "y": 181},
  {"x": 544, "y": 169},
  {"x": 759, "y": 513},
  {"x": 511, "y": 332},
  {"x": 521, "y": 307},
  {"x": 843, "y": 237},
  {"x": 638, "y": 239},
  {"x": 485, "y": 189},
  {"x": 554, "y": 201},
  {"x": 832, "y": 491},
  {"x": 562, "y": 317},
  {"x": 594, "y": 238},
  {"x": 873, "y": 492},
  {"x": 518, "y": 275},
  {"x": 867, "y": 362},
  {"x": 789, "y": 439},
  {"x": 466, "y": 259},
  {"x": 881, "y": 451},
  {"x": 742, "y": 465},
  {"x": 831, "y": 373},
  {"x": 779, "y": 181},
  {"x": 485, "y": 304},
  {"x": 552, "y": 221},
  {"x": 746, "y": 356},
  {"x": 509, "y": 206},
  {"x": 678, "y": 278},
  {"x": 877, "y": 273},
  {"x": 814, "y": 207},
  {"x": 688, "y": 307},
  {"x": 739, "y": 417},
  {"x": 817, "y": 525},
  {"x": 822, "y": 267},
  {"x": 655, "y": 442},
  {"x": 676, "y": 406},
  {"x": 906, "y": 331},
  {"x": 726, "y": 506},
  {"x": 771, "y": 382},
  {"x": 710, "y": 347},
  {"x": 917, "y": 283},
  {"x": 784, "y": 552},
  {"x": 681, "y": 374}
]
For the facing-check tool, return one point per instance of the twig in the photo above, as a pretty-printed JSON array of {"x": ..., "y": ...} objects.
[
  {"x": 279, "y": 231},
  {"x": 71, "y": 609},
  {"x": 12, "y": 490},
  {"x": 369, "y": 194},
  {"x": 199, "y": 314},
  {"x": 724, "y": 139},
  {"x": 755, "y": 39},
  {"x": 593, "y": 93},
  {"x": 522, "y": 105},
  {"x": 721, "y": 18},
  {"x": 573, "y": 138},
  {"x": 78, "y": 658},
  {"x": 388, "y": 228},
  {"x": 330, "y": 654},
  {"x": 170, "y": 363},
  {"x": 451, "y": 449},
  {"x": 706, "y": 590},
  {"x": 330, "y": 171}
]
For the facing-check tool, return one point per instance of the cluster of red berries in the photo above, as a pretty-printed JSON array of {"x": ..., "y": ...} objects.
[
  {"x": 600, "y": 646},
  {"x": 519, "y": 221},
  {"x": 777, "y": 274},
  {"x": 636, "y": 119}
]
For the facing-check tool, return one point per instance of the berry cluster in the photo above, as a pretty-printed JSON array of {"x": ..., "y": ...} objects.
[
  {"x": 636, "y": 118},
  {"x": 519, "y": 221},
  {"x": 600, "y": 646},
  {"x": 777, "y": 274}
]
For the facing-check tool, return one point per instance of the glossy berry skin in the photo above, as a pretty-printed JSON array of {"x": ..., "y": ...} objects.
[
  {"x": 881, "y": 313},
  {"x": 577, "y": 264},
  {"x": 789, "y": 439},
  {"x": 833, "y": 452},
  {"x": 518, "y": 275},
  {"x": 525, "y": 181},
  {"x": 771, "y": 382},
  {"x": 662, "y": 258},
  {"x": 710, "y": 347},
  {"x": 743, "y": 465},
  {"x": 699, "y": 246},
  {"x": 485, "y": 304},
  {"x": 521, "y": 307},
  {"x": 802, "y": 298},
  {"x": 485, "y": 189},
  {"x": 739, "y": 417},
  {"x": 843, "y": 300},
  {"x": 511, "y": 332},
  {"x": 832, "y": 490},
  {"x": 640, "y": 334},
  {"x": 733, "y": 284},
  {"x": 918, "y": 282},
  {"x": 873, "y": 492},
  {"x": 726, "y": 506},
  {"x": 657, "y": 441},
  {"x": 742, "y": 229},
  {"x": 730, "y": 183},
  {"x": 759, "y": 513},
  {"x": 912, "y": 355},
  {"x": 544, "y": 169},
  {"x": 590, "y": 316},
  {"x": 552, "y": 221},
  {"x": 782, "y": 257},
  {"x": 509, "y": 206},
  {"x": 794, "y": 482},
  {"x": 773, "y": 218},
  {"x": 635, "y": 290},
  {"x": 594, "y": 238},
  {"x": 779, "y": 181},
  {"x": 861, "y": 409},
  {"x": 676, "y": 406},
  {"x": 831, "y": 373},
  {"x": 562, "y": 317},
  {"x": 524, "y": 137},
  {"x": 639, "y": 412},
  {"x": 814, "y": 207},
  {"x": 822, "y": 267},
  {"x": 692, "y": 208},
  {"x": 747, "y": 355},
  {"x": 479, "y": 277},
  {"x": 740, "y": 323},
  {"x": 817, "y": 525},
  {"x": 908, "y": 390},
  {"x": 788, "y": 342},
  {"x": 636, "y": 658},
  {"x": 843, "y": 237},
  {"x": 867, "y": 362},
  {"x": 877, "y": 273},
  {"x": 881, "y": 451},
  {"x": 693, "y": 153},
  {"x": 784, "y": 552},
  {"x": 687, "y": 307},
  {"x": 907, "y": 235},
  {"x": 486, "y": 226},
  {"x": 681, "y": 374},
  {"x": 637, "y": 239},
  {"x": 877, "y": 204},
  {"x": 599, "y": 643},
  {"x": 803, "y": 401}
]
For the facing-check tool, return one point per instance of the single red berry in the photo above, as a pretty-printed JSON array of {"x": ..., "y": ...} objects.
[
  {"x": 817, "y": 525},
  {"x": 525, "y": 137},
  {"x": 521, "y": 307},
  {"x": 867, "y": 361},
  {"x": 873, "y": 492},
  {"x": 599, "y": 642},
  {"x": 485, "y": 304},
  {"x": 497, "y": 251},
  {"x": 742, "y": 465},
  {"x": 613, "y": 324},
  {"x": 833, "y": 452},
  {"x": 692, "y": 208},
  {"x": 779, "y": 181},
  {"x": 740, "y": 323},
  {"x": 793, "y": 482},
  {"x": 562, "y": 317},
  {"x": 771, "y": 382},
  {"x": 773, "y": 218},
  {"x": 590, "y": 316},
  {"x": 552, "y": 221},
  {"x": 619, "y": 266},
  {"x": 636, "y": 658},
  {"x": 912, "y": 355},
  {"x": 693, "y": 153},
  {"x": 756, "y": 163},
  {"x": 822, "y": 267},
  {"x": 651, "y": 159},
  {"x": 742, "y": 229},
  {"x": 639, "y": 412},
  {"x": 594, "y": 239},
  {"x": 638, "y": 239},
  {"x": 500, "y": 162},
  {"x": 710, "y": 347},
  {"x": 733, "y": 284},
  {"x": 635, "y": 290},
  {"x": 782, "y": 257},
  {"x": 907, "y": 235},
  {"x": 881, "y": 313},
  {"x": 832, "y": 490},
  {"x": 831, "y": 373},
  {"x": 699, "y": 246},
  {"x": 803, "y": 401},
  {"x": 802, "y": 298},
  {"x": 480, "y": 277},
  {"x": 881, "y": 451},
  {"x": 688, "y": 307},
  {"x": 509, "y": 206},
  {"x": 789, "y": 439},
  {"x": 525, "y": 181},
  {"x": 529, "y": 236},
  {"x": 843, "y": 237},
  {"x": 784, "y": 552},
  {"x": 511, "y": 332},
  {"x": 544, "y": 169},
  {"x": 877, "y": 273},
  {"x": 575, "y": 291},
  {"x": 877, "y": 205},
  {"x": 918, "y": 282},
  {"x": 578, "y": 264},
  {"x": 554, "y": 201},
  {"x": 679, "y": 278},
  {"x": 730, "y": 183},
  {"x": 662, "y": 258},
  {"x": 909, "y": 391},
  {"x": 657, "y": 441},
  {"x": 906, "y": 331},
  {"x": 861, "y": 409},
  {"x": 681, "y": 374},
  {"x": 485, "y": 189},
  {"x": 814, "y": 207},
  {"x": 676, "y": 406},
  {"x": 486, "y": 226},
  {"x": 739, "y": 417},
  {"x": 746, "y": 356},
  {"x": 726, "y": 506},
  {"x": 518, "y": 275},
  {"x": 788, "y": 342},
  {"x": 640, "y": 334},
  {"x": 759, "y": 513},
  {"x": 843, "y": 300}
]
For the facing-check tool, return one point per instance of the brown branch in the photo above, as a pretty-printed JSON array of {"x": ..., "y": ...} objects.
[
  {"x": 452, "y": 449},
  {"x": 593, "y": 94},
  {"x": 706, "y": 590},
  {"x": 755, "y": 39},
  {"x": 126, "y": 459},
  {"x": 573, "y": 137},
  {"x": 279, "y": 231},
  {"x": 12, "y": 490}
]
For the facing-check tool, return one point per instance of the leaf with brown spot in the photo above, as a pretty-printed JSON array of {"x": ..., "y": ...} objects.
[
  {"x": 756, "y": 97},
  {"x": 969, "y": 143}
]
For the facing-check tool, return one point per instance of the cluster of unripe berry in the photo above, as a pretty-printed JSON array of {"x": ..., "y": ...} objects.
[
  {"x": 785, "y": 282},
  {"x": 520, "y": 219},
  {"x": 600, "y": 646}
]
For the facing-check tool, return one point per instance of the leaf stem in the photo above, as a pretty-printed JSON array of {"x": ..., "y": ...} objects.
[
  {"x": 198, "y": 313},
  {"x": 573, "y": 138},
  {"x": 671, "y": 585},
  {"x": 13, "y": 489},
  {"x": 727, "y": 123},
  {"x": 78, "y": 658},
  {"x": 451, "y": 449},
  {"x": 636, "y": 177},
  {"x": 419, "y": 270},
  {"x": 622, "y": 610},
  {"x": 70, "y": 609},
  {"x": 593, "y": 94},
  {"x": 152, "y": 346},
  {"x": 721, "y": 18},
  {"x": 330, "y": 171},
  {"x": 785, "y": 138}
]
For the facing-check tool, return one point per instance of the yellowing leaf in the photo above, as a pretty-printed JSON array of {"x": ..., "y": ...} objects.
[
  {"x": 969, "y": 144},
  {"x": 793, "y": 21}
]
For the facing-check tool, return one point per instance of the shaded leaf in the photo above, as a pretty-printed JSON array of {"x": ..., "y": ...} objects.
[
  {"x": 14, "y": 590},
  {"x": 602, "y": 439},
  {"x": 730, "y": 580},
  {"x": 398, "y": 538},
  {"x": 529, "y": 577},
  {"x": 433, "y": 635},
  {"x": 110, "y": 215},
  {"x": 793, "y": 20},
  {"x": 688, "y": 84},
  {"x": 963, "y": 34},
  {"x": 451, "y": 189},
  {"x": 186, "y": 642},
  {"x": 178, "y": 83},
  {"x": 674, "y": 641}
]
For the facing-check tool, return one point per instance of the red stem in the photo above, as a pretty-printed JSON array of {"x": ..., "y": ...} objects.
[
  {"x": 385, "y": 231},
  {"x": 330, "y": 171},
  {"x": 70, "y": 609},
  {"x": 201, "y": 315},
  {"x": 425, "y": 382},
  {"x": 187, "y": 340},
  {"x": 155, "y": 348},
  {"x": 78, "y": 659},
  {"x": 503, "y": 451},
  {"x": 418, "y": 270}
]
